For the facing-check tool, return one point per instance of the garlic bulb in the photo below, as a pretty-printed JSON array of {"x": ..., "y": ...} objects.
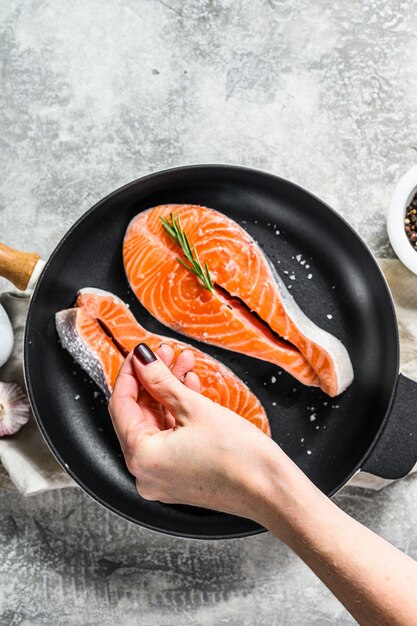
[
  {"x": 6, "y": 337},
  {"x": 14, "y": 408}
]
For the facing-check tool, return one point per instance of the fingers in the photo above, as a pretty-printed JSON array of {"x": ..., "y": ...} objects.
[
  {"x": 166, "y": 354},
  {"x": 192, "y": 381},
  {"x": 123, "y": 407},
  {"x": 161, "y": 383},
  {"x": 124, "y": 410},
  {"x": 181, "y": 370},
  {"x": 183, "y": 364}
]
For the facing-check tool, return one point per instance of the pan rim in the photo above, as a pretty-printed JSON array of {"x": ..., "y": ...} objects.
[{"x": 96, "y": 207}]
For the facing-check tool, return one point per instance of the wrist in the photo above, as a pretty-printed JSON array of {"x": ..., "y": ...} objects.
[{"x": 284, "y": 500}]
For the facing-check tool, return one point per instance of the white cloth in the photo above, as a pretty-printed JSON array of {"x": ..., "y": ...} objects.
[{"x": 29, "y": 464}]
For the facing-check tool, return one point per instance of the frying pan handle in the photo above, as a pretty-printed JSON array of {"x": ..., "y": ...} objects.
[
  {"x": 19, "y": 267},
  {"x": 395, "y": 452}
]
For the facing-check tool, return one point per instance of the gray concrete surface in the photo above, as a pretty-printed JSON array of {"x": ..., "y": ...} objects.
[{"x": 96, "y": 93}]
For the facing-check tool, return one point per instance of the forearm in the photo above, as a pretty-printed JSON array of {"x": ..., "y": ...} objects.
[
  {"x": 376, "y": 582},
  {"x": 237, "y": 469}
]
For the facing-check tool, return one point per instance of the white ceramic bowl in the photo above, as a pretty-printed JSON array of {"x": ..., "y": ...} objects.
[{"x": 400, "y": 199}]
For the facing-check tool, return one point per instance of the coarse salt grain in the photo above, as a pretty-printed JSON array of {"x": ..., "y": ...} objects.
[
  {"x": 77, "y": 397},
  {"x": 308, "y": 451},
  {"x": 274, "y": 404},
  {"x": 310, "y": 276},
  {"x": 273, "y": 379},
  {"x": 329, "y": 316},
  {"x": 313, "y": 417}
]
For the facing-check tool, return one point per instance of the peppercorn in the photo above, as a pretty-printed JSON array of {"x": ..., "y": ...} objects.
[{"x": 410, "y": 222}]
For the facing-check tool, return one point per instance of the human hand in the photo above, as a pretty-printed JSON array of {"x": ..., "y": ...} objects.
[{"x": 184, "y": 448}]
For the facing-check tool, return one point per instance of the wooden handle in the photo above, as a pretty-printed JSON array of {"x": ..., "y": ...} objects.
[{"x": 17, "y": 266}]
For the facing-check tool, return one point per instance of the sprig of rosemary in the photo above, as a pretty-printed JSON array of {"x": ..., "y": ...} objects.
[{"x": 177, "y": 233}]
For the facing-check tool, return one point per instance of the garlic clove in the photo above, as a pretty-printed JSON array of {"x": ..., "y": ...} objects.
[
  {"x": 6, "y": 336},
  {"x": 14, "y": 408}
]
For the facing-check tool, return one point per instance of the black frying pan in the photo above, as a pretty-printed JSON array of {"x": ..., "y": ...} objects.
[{"x": 372, "y": 426}]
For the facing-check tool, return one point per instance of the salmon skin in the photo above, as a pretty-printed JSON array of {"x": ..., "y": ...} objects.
[
  {"x": 90, "y": 346},
  {"x": 251, "y": 311},
  {"x": 100, "y": 331}
]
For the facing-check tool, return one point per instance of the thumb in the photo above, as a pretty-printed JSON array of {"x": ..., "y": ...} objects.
[{"x": 161, "y": 384}]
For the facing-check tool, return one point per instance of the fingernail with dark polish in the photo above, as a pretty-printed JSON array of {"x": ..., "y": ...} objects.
[{"x": 144, "y": 354}]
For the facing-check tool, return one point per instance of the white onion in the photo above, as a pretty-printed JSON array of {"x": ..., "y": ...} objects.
[{"x": 6, "y": 337}]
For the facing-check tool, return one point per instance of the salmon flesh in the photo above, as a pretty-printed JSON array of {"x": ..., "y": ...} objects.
[
  {"x": 250, "y": 309},
  {"x": 100, "y": 331}
]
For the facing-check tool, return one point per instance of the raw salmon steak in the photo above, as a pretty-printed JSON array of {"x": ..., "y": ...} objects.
[
  {"x": 250, "y": 311},
  {"x": 90, "y": 346},
  {"x": 100, "y": 331}
]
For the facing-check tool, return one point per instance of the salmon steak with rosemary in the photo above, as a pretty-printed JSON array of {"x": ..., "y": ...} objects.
[
  {"x": 100, "y": 331},
  {"x": 201, "y": 274}
]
